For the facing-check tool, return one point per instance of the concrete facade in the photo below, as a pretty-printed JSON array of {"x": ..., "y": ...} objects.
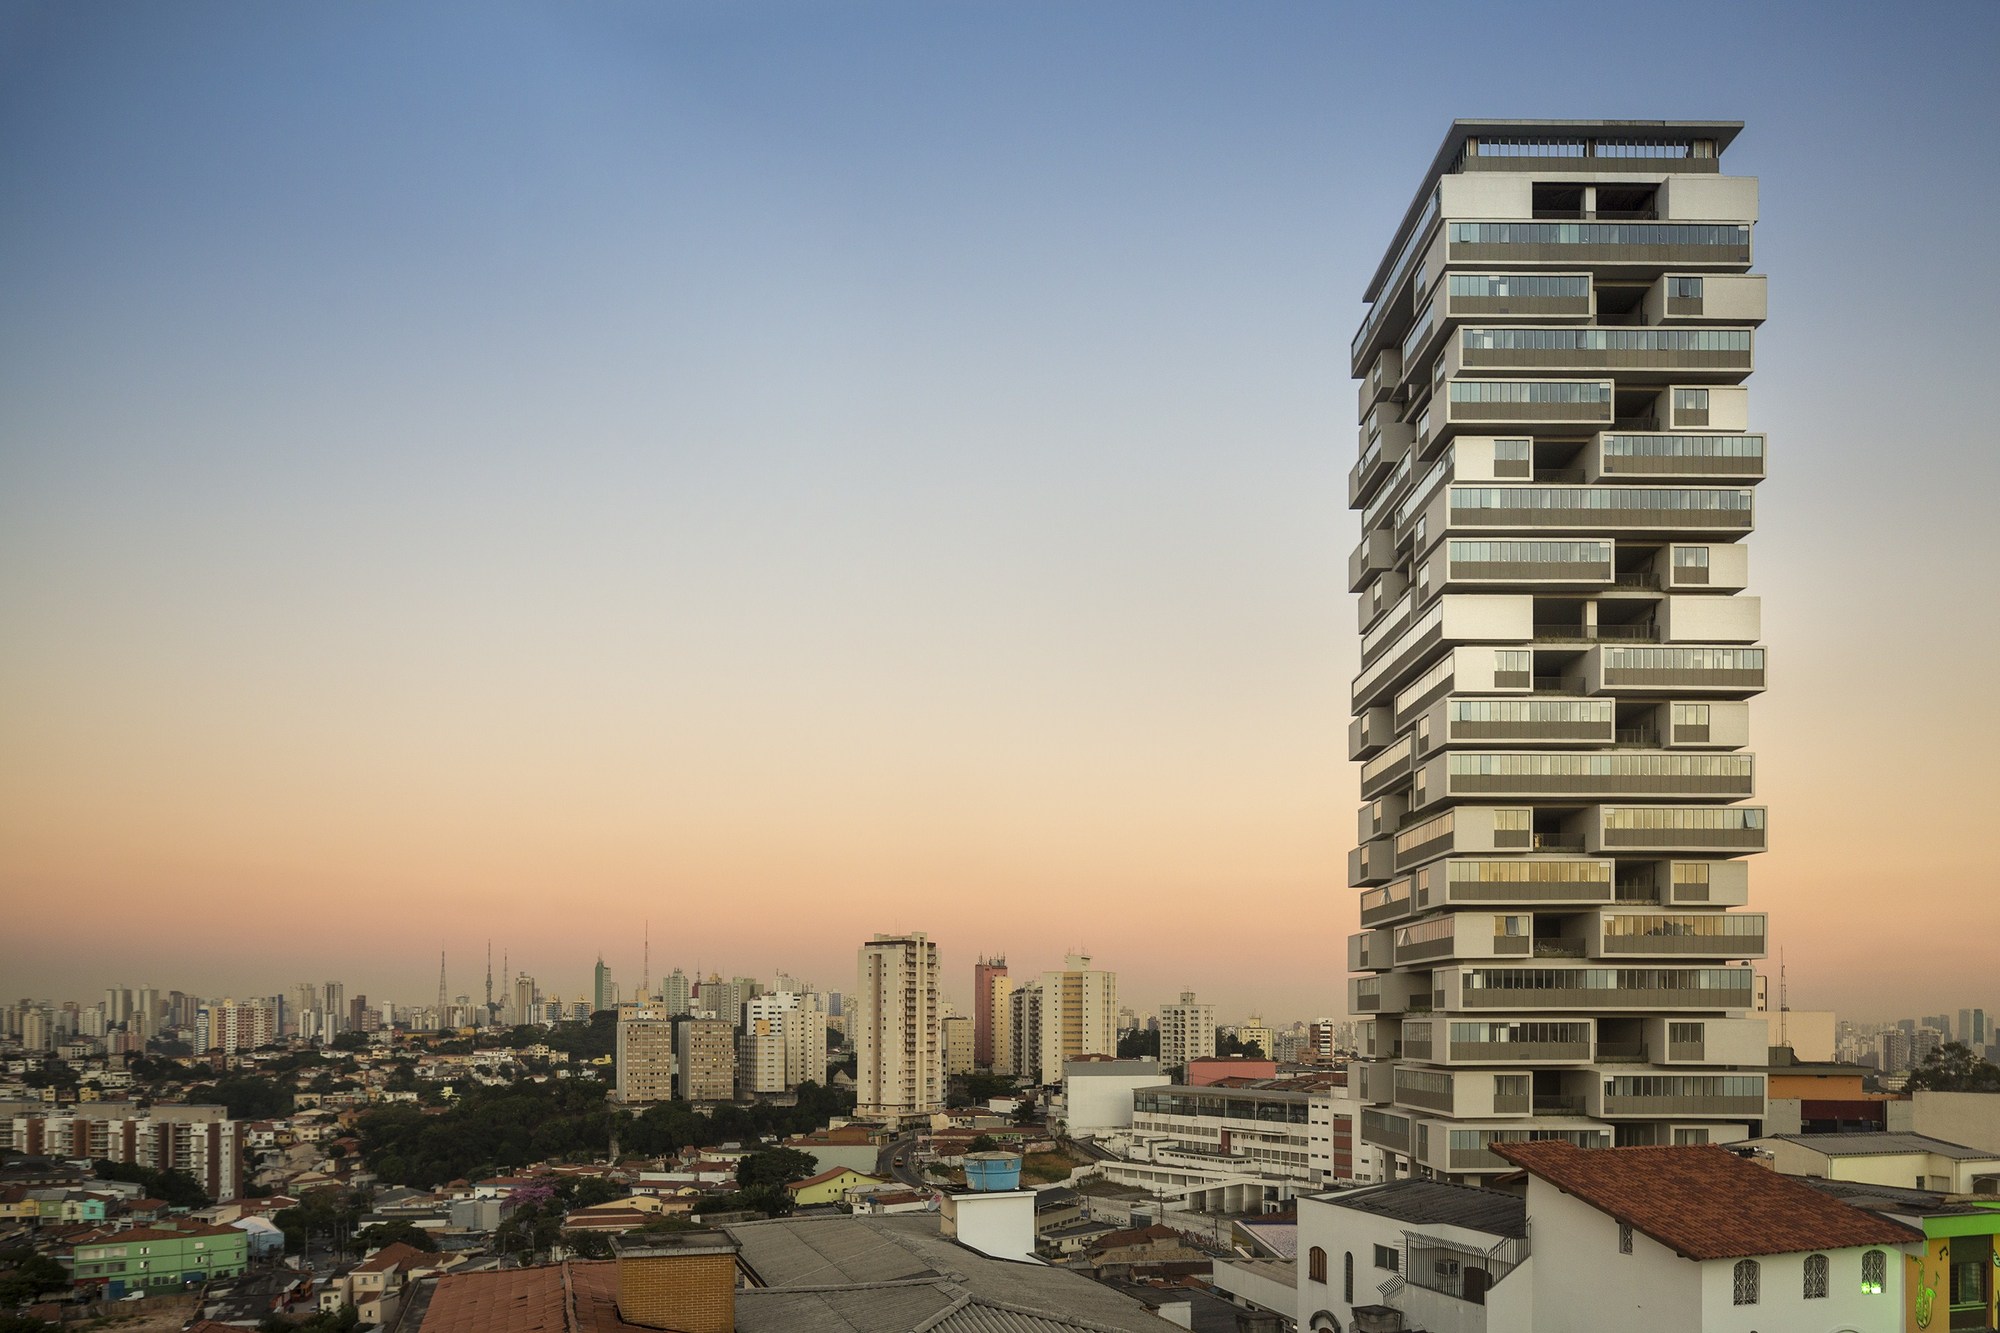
[
  {"x": 898, "y": 1043},
  {"x": 1555, "y": 481}
]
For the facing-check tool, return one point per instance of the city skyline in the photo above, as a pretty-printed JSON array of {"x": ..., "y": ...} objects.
[{"x": 794, "y": 479}]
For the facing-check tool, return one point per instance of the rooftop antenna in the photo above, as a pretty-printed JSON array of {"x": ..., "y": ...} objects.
[{"x": 1784, "y": 999}]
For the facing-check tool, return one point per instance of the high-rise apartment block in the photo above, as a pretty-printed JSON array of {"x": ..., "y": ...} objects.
[
  {"x": 1079, "y": 1015},
  {"x": 705, "y": 1056},
  {"x": 783, "y": 1043},
  {"x": 899, "y": 1058},
  {"x": 645, "y": 1053},
  {"x": 1556, "y": 478},
  {"x": 1187, "y": 1031},
  {"x": 989, "y": 1011},
  {"x": 955, "y": 1034}
]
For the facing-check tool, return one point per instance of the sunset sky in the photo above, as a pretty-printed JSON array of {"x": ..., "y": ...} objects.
[{"x": 792, "y": 472}]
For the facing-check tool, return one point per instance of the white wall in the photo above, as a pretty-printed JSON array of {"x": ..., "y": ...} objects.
[
  {"x": 1781, "y": 1306},
  {"x": 1970, "y": 1118},
  {"x": 1095, "y": 1103},
  {"x": 1582, "y": 1284}
]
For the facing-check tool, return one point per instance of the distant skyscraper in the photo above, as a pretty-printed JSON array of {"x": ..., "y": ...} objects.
[
  {"x": 1555, "y": 480},
  {"x": 677, "y": 993},
  {"x": 600, "y": 995},
  {"x": 1187, "y": 1031},
  {"x": 899, "y": 1061},
  {"x": 334, "y": 1010},
  {"x": 988, "y": 1015},
  {"x": 524, "y": 999}
]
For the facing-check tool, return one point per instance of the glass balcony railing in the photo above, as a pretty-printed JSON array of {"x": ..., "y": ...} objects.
[
  {"x": 1658, "y": 455},
  {"x": 1695, "y": 988},
  {"x": 1727, "y": 508},
  {"x": 1602, "y": 242},
  {"x": 1607, "y": 349}
]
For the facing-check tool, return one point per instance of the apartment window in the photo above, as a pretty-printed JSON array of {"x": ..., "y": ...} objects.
[
  {"x": 1690, "y": 557},
  {"x": 1389, "y": 1258},
  {"x": 1874, "y": 1272},
  {"x": 1513, "y": 451},
  {"x": 1746, "y": 1283},
  {"x": 1816, "y": 1277},
  {"x": 1424, "y": 579},
  {"x": 1624, "y": 1238},
  {"x": 1690, "y": 1138},
  {"x": 1347, "y": 1278},
  {"x": 1684, "y": 287},
  {"x": 1691, "y": 400},
  {"x": 1691, "y": 715},
  {"x": 1513, "y": 660},
  {"x": 1316, "y": 1264}
]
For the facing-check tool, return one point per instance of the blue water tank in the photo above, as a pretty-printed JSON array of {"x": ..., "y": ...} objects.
[{"x": 993, "y": 1170}]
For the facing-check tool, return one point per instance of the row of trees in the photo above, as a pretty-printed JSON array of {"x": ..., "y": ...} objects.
[{"x": 500, "y": 1129}]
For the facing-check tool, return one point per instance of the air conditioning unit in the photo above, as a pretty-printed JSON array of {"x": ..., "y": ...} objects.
[{"x": 1445, "y": 1267}]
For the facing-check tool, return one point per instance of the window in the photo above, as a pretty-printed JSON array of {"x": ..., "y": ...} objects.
[
  {"x": 1874, "y": 1272},
  {"x": 1347, "y": 1278},
  {"x": 1691, "y": 400},
  {"x": 1816, "y": 1278},
  {"x": 1391, "y": 1259},
  {"x": 1745, "y": 1286},
  {"x": 1684, "y": 287},
  {"x": 1624, "y": 1238},
  {"x": 1690, "y": 557},
  {"x": 1316, "y": 1264}
]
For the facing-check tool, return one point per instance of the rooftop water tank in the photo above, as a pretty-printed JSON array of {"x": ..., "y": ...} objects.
[{"x": 993, "y": 1170}]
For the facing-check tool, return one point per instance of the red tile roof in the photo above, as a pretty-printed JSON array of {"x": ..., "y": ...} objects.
[
  {"x": 515, "y": 1300},
  {"x": 1704, "y": 1202},
  {"x": 834, "y": 1174}
]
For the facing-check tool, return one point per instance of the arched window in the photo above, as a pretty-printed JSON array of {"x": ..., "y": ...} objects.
[
  {"x": 1316, "y": 1264},
  {"x": 1816, "y": 1279},
  {"x": 1347, "y": 1278},
  {"x": 1746, "y": 1281},
  {"x": 1874, "y": 1272}
]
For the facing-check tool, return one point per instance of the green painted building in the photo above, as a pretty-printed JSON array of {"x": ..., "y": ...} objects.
[{"x": 159, "y": 1256}]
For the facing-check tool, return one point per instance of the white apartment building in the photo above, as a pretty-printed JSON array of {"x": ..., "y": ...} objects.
[
  {"x": 899, "y": 1056},
  {"x": 1556, "y": 480},
  {"x": 1242, "y": 1146},
  {"x": 783, "y": 1043},
  {"x": 1187, "y": 1031},
  {"x": 645, "y": 1053}
]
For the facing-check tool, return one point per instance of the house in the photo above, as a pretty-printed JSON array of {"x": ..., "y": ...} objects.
[
  {"x": 829, "y": 1186},
  {"x": 880, "y": 1203},
  {"x": 374, "y": 1287},
  {"x": 1955, "y": 1272},
  {"x": 1428, "y": 1252},
  {"x": 1694, "y": 1238},
  {"x": 1908, "y": 1161}
]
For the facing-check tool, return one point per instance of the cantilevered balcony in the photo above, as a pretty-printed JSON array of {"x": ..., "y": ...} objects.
[
  {"x": 1670, "y": 829},
  {"x": 1720, "y": 671},
  {"x": 1583, "y": 987},
  {"x": 1656, "y": 1096},
  {"x": 1635, "y": 355},
  {"x": 1513, "y": 881},
  {"x": 1669, "y": 511},
  {"x": 1459, "y": 775},
  {"x": 1511, "y": 1041},
  {"x": 1680, "y": 935},
  {"x": 1677, "y": 457},
  {"x": 1724, "y": 245},
  {"x": 1467, "y": 1151},
  {"x": 1457, "y": 721}
]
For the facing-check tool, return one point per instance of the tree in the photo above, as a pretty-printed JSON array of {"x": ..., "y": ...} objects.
[
  {"x": 1228, "y": 1044},
  {"x": 349, "y": 1041},
  {"x": 177, "y": 1188},
  {"x": 1953, "y": 1067},
  {"x": 983, "y": 1143},
  {"x": 392, "y": 1233},
  {"x": 246, "y": 1097},
  {"x": 775, "y": 1166},
  {"x": 1139, "y": 1043},
  {"x": 593, "y": 1190},
  {"x": 31, "y": 1277}
]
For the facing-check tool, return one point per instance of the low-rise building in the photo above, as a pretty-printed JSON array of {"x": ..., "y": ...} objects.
[
  {"x": 164, "y": 1255},
  {"x": 830, "y": 1186},
  {"x": 1908, "y": 1161}
]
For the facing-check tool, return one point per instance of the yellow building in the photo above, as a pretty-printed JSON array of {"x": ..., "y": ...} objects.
[{"x": 829, "y": 1186}]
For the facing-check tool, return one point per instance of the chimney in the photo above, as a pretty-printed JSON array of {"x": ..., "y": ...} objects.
[{"x": 684, "y": 1283}]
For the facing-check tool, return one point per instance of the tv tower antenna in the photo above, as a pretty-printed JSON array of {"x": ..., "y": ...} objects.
[
  {"x": 489, "y": 979},
  {"x": 1784, "y": 999},
  {"x": 444, "y": 1012}
]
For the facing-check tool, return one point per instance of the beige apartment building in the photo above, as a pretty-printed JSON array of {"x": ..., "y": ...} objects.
[
  {"x": 1187, "y": 1031},
  {"x": 956, "y": 1033},
  {"x": 896, "y": 1030},
  {"x": 705, "y": 1059},
  {"x": 1556, "y": 481},
  {"x": 645, "y": 1053}
]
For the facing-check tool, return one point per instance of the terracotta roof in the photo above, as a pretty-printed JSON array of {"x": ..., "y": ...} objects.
[
  {"x": 1704, "y": 1202},
  {"x": 517, "y": 1300},
  {"x": 399, "y": 1254},
  {"x": 824, "y": 1176},
  {"x": 159, "y": 1233}
]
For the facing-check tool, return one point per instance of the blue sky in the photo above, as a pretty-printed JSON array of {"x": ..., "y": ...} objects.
[{"x": 884, "y": 460}]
